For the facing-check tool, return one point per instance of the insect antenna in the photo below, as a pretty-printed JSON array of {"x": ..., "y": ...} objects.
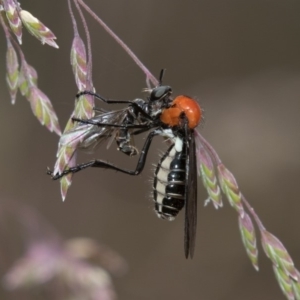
[{"x": 161, "y": 75}]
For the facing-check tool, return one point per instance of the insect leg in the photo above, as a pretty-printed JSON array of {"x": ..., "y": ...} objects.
[
  {"x": 110, "y": 101},
  {"x": 124, "y": 142},
  {"x": 100, "y": 124},
  {"x": 105, "y": 165}
]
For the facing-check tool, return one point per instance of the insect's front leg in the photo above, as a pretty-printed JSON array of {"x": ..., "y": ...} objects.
[{"x": 111, "y": 101}]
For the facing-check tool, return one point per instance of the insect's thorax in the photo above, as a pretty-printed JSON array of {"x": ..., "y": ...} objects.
[
  {"x": 172, "y": 115},
  {"x": 169, "y": 181}
]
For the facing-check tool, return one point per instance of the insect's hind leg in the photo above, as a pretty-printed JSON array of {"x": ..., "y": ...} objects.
[{"x": 105, "y": 165}]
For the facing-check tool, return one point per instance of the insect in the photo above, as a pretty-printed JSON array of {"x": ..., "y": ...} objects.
[
  {"x": 128, "y": 122},
  {"x": 175, "y": 177},
  {"x": 90, "y": 136}
]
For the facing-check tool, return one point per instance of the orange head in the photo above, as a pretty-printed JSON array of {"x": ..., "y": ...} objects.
[{"x": 182, "y": 104}]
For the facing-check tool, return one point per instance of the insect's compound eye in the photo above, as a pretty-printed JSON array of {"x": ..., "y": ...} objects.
[{"x": 160, "y": 92}]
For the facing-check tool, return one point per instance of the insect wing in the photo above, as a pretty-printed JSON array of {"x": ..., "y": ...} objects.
[
  {"x": 190, "y": 197},
  {"x": 88, "y": 136},
  {"x": 99, "y": 134}
]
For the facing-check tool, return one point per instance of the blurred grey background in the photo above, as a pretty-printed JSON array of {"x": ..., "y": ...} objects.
[{"x": 241, "y": 60}]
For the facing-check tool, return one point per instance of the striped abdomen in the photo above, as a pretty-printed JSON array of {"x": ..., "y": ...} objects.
[{"x": 169, "y": 184}]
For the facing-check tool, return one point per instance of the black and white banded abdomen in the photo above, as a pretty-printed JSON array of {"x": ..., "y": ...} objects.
[{"x": 169, "y": 184}]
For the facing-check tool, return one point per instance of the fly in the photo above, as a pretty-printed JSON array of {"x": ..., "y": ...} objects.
[
  {"x": 89, "y": 136},
  {"x": 175, "y": 178}
]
